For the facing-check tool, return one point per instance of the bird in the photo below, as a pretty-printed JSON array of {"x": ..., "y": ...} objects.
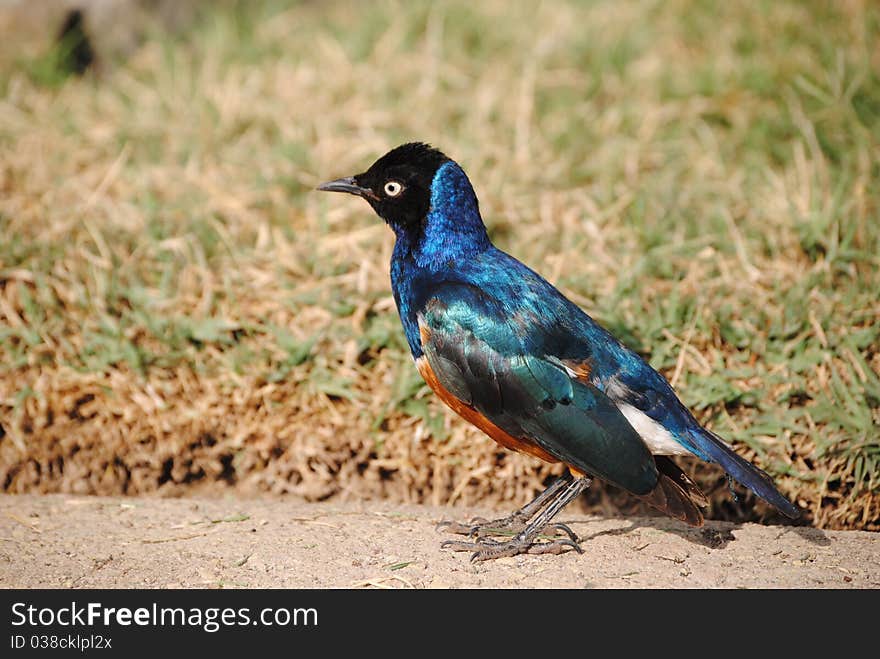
[{"x": 513, "y": 356}]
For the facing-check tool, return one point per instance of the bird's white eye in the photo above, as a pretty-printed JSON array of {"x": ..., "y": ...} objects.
[{"x": 393, "y": 188}]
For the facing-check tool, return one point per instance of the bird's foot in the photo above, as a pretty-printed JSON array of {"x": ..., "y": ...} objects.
[
  {"x": 480, "y": 528},
  {"x": 486, "y": 549},
  {"x": 539, "y": 536}
]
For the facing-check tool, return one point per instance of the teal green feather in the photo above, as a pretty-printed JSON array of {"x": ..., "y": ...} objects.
[{"x": 477, "y": 355}]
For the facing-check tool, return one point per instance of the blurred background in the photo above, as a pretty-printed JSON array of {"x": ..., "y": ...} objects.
[{"x": 181, "y": 314}]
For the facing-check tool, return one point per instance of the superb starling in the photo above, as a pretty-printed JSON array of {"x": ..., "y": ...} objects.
[{"x": 514, "y": 357}]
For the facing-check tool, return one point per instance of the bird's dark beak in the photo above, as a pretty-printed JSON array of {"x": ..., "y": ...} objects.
[{"x": 347, "y": 185}]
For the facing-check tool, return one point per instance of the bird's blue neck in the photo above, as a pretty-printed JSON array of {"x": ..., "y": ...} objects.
[
  {"x": 452, "y": 232},
  {"x": 453, "y": 228}
]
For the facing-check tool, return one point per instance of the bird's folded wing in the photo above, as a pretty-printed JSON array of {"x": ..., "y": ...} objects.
[{"x": 475, "y": 350}]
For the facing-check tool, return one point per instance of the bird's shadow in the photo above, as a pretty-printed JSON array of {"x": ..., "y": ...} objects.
[
  {"x": 713, "y": 534},
  {"x": 736, "y": 511}
]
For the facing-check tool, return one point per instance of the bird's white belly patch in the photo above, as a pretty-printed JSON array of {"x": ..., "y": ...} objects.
[{"x": 657, "y": 438}]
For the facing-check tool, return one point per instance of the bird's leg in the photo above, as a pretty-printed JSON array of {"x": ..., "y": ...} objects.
[
  {"x": 480, "y": 528},
  {"x": 527, "y": 540}
]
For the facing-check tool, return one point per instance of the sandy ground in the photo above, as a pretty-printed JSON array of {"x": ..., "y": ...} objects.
[{"x": 85, "y": 542}]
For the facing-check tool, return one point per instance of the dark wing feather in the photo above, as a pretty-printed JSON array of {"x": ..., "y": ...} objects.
[
  {"x": 476, "y": 352},
  {"x": 676, "y": 494}
]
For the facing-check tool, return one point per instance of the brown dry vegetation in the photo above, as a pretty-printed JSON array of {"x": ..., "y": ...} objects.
[{"x": 179, "y": 310}]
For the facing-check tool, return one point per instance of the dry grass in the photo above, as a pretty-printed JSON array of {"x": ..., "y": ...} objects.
[{"x": 179, "y": 310}]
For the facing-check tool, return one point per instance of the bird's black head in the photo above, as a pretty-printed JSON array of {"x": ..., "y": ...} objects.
[{"x": 397, "y": 185}]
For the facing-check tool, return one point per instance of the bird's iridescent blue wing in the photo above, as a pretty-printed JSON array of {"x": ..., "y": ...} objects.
[{"x": 475, "y": 351}]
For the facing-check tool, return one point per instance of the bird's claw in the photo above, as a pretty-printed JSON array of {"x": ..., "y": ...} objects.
[
  {"x": 527, "y": 531},
  {"x": 479, "y": 528},
  {"x": 515, "y": 548},
  {"x": 451, "y": 526},
  {"x": 559, "y": 526},
  {"x": 485, "y": 550},
  {"x": 458, "y": 545}
]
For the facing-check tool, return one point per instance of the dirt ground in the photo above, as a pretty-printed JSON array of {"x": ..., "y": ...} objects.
[{"x": 102, "y": 542}]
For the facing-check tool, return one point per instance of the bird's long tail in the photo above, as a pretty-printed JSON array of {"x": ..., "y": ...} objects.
[
  {"x": 676, "y": 494},
  {"x": 743, "y": 471}
]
